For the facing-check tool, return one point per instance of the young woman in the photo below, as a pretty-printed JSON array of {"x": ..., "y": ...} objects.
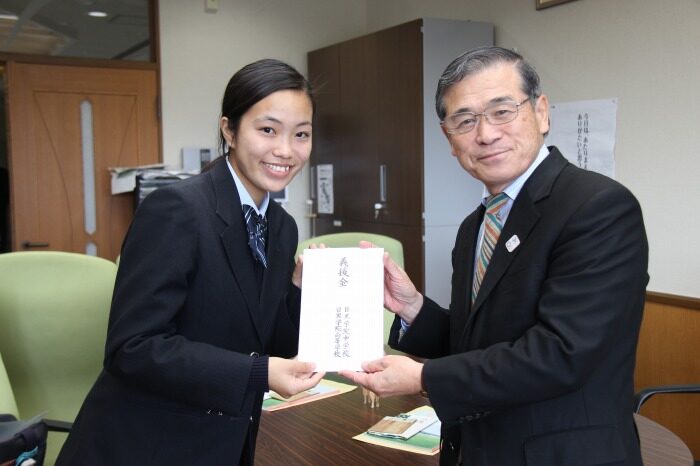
[{"x": 206, "y": 309}]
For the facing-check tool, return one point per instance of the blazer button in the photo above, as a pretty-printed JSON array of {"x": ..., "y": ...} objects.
[{"x": 254, "y": 354}]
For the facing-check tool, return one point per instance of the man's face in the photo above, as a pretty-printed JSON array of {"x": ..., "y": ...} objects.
[{"x": 496, "y": 154}]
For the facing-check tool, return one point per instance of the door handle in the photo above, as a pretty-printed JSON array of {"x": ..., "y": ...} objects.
[
  {"x": 34, "y": 244},
  {"x": 382, "y": 183}
]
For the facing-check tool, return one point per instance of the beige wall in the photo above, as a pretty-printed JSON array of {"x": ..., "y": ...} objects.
[
  {"x": 643, "y": 53},
  {"x": 200, "y": 51}
]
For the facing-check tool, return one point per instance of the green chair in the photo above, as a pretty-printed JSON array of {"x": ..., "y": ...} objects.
[
  {"x": 352, "y": 239},
  {"x": 54, "y": 308},
  {"x": 7, "y": 397}
]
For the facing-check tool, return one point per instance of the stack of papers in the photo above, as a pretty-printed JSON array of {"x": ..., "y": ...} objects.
[
  {"x": 403, "y": 426},
  {"x": 417, "y": 431},
  {"x": 326, "y": 388}
]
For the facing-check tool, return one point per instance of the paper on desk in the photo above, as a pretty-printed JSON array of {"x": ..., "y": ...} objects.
[
  {"x": 342, "y": 307},
  {"x": 422, "y": 442},
  {"x": 326, "y": 388}
]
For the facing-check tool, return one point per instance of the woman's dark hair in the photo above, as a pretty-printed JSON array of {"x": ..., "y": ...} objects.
[{"x": 254, "y": 82}]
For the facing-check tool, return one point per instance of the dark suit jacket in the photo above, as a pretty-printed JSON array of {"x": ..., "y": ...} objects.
[
  {"x": 539, "y": 370},
  {"x": 186, "y": 315}
]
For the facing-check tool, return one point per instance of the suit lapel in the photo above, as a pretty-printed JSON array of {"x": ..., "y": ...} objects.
[
  {"x": 464, "y": 273},
  {"x": 234, "y": 238},
  {"x": 521, "y": 220}
]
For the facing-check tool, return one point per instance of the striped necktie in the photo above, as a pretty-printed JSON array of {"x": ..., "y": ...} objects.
[
  {"x": 257, "y": 233},
  {"x": 492, "y": 230}
]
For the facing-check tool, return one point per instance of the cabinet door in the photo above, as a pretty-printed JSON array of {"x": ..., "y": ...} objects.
[
  {"x": 399, "y": 120},
  {"x": 357, "y": 182},
  {"x": 324, "y": 74}
]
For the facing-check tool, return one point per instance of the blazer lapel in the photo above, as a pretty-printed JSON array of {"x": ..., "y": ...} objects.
[
  {"x": 234, "y": 238},
  {"x": 273, "y": 285},
  {"x": 522, "y": 218},
  {"x": 464, "y": 273}
]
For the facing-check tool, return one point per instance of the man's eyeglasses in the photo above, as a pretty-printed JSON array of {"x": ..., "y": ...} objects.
[{"x": 496, "y": 114}]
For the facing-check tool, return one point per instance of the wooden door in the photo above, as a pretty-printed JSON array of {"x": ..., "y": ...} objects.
[
  {"x": 58, "y": 116},
  {"x": 375, "y": 112},
  {"x": 324, "y": 74},
  {"x": 358, "y": 179},
  {"x": 400, "y": 124}
]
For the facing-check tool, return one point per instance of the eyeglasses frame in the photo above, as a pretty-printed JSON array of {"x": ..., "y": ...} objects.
[{"x": 478, "y": 116}]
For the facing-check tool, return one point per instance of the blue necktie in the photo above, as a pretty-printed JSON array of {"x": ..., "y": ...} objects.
[{"x": 257, "y": 233}]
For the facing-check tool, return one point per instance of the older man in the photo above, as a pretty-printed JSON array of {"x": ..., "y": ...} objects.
[{"x": 532, "y": 364}]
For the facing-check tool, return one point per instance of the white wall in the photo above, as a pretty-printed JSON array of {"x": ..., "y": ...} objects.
[
  {"x": 645, "y": 54},
  {"x": 200, "y": 51}
]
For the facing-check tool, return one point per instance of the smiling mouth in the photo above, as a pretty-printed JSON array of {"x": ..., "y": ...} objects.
[
  {"x": 278, "y": 168},
  {"x": 491, "y": 155}
]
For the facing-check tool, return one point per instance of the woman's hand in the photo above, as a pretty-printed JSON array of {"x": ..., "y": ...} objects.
[
  {"x": 298, "y": 269},
  {"x": 289, "y": 376}
]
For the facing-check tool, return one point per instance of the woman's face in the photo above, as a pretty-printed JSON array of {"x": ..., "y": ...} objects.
[{"x": 272, "y": 143}]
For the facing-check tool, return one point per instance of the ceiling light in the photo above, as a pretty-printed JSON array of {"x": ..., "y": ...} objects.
[
  {"x": 97, "y": 14},
  {"x": 9, "y": 17}
]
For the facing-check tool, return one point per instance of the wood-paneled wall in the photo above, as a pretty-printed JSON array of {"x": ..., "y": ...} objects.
[{"x": 669, "y": 354}]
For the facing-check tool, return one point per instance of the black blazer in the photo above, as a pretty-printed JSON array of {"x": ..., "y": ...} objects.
[
  {"x": 539, "y": 371},
  {"x": 187, "y": 318}
]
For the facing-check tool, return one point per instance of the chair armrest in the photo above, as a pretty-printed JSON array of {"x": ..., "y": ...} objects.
[
  {"x": 54, "y": 425},
  {"x": 644, "y": 394}
]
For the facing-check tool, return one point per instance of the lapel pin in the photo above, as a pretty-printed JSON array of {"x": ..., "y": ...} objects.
[{"x": 512, "y": 243}]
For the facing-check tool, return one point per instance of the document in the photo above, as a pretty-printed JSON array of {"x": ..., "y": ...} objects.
[
  {"x": 325, "y": 388},
  {"x": 425, "y": 442},
  {"x": 404, "y": 426},
  {"x": 342, "y": 308}
]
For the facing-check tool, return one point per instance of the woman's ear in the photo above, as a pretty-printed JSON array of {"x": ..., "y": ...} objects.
[{"x": 229, "y": 136}]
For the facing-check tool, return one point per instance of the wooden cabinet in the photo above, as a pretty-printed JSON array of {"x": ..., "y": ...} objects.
[{"x": 375, "y": 124}]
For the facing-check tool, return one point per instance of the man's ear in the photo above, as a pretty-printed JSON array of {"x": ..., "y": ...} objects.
[
  {"x": 449, "y": 140},
  {"x": 229, "y": 136},
  {"x": 542, "y": 113}
]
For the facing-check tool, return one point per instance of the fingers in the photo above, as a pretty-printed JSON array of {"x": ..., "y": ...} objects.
[
  {"x": 359, "y": 378},
  {"x": 307, "y": 383},
  {"x": 301, "y": 367},
  {"x": 298, "y": 271},
  {"x": 375, "y": 366}
]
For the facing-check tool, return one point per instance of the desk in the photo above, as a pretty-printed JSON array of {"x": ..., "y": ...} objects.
[{"x": 320, "y": 433}]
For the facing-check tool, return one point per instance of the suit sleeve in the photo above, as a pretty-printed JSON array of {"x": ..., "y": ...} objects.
[
  {"x": 589, "y": 301},
  {"x": 143, "y": 346},
  {"x": 425, "y": 338}
]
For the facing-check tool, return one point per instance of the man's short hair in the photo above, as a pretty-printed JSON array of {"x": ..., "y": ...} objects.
[{"x": 477, "y": 60}]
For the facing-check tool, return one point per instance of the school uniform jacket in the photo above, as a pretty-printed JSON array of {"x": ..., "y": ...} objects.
[
  {"x": 187, "y": 320},
  {"x": 538, "y": 371}
]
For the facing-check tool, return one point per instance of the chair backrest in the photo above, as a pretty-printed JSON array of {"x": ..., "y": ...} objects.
[
  {"x": 352, "y": 239},
  {"x": 7, "y": 398},
  {"x": 54, "y": 309}
]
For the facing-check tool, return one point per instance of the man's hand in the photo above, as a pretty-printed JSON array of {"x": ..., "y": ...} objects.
[
  {"x": 400, "y": 294},
  {"x": 388, "y": 376},
  {"x": 289, "y": 376}
]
